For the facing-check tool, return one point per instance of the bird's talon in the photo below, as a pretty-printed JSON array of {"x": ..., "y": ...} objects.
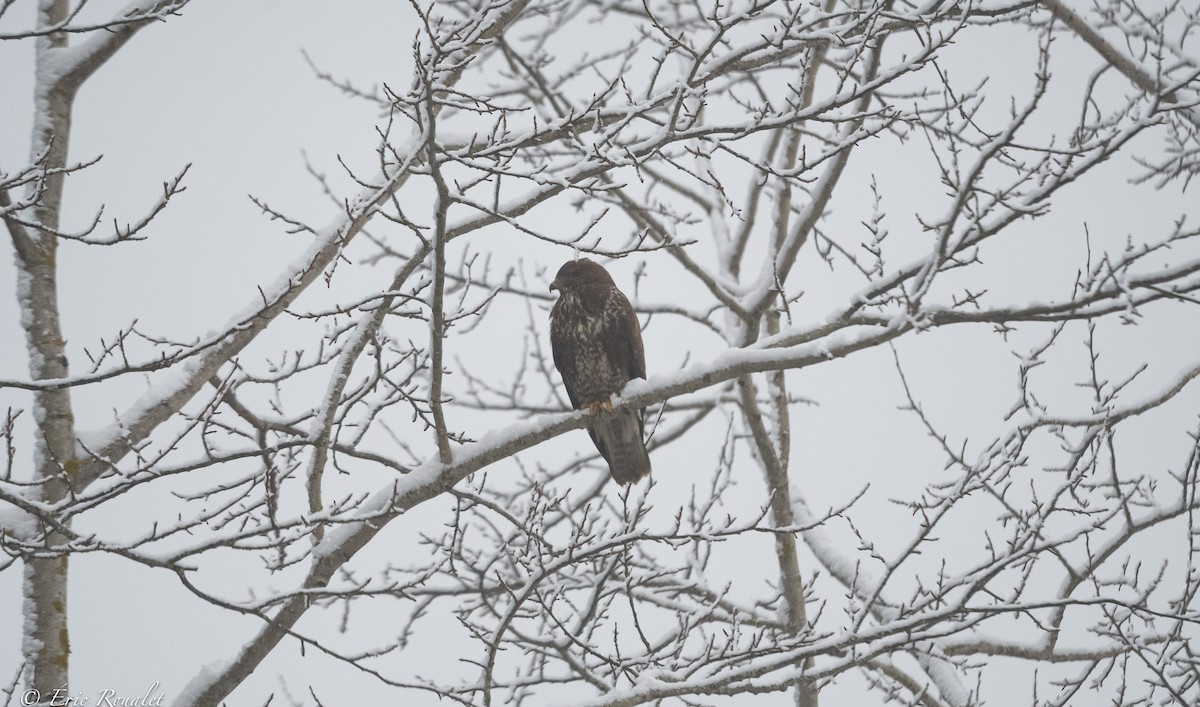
[{"x": 597, "y": 407}]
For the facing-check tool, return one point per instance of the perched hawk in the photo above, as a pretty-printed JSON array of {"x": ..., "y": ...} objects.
[{"x": 597, "y": 346}]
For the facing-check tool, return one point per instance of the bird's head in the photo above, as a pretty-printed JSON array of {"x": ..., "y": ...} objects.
[{"x": 575, "y": 275}]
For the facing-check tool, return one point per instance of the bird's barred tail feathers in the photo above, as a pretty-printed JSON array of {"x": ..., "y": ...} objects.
[{"x": 619, "y": 434}]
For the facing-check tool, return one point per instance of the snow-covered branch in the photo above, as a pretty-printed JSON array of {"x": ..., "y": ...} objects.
[{"x": 919, "y": 396}]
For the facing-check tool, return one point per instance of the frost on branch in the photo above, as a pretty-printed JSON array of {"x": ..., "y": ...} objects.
[{"x": 916, "y": 284}]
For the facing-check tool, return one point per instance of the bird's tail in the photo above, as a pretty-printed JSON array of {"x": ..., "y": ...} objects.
[{"x": 619, "y": 437}]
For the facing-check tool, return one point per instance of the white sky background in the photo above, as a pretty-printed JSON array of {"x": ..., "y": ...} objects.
[
  {"x": 225, "y": 87},
  {"x": 228, "y": 91}
]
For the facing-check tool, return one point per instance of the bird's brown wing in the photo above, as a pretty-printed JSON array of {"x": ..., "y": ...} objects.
[
  {"x": 623, "y": 343},
  {"x": 620, "y": 436},
  {"x": 563, "y": 348},
  {"x": 623, "y": 338},
  {"x": 638, "y": 352}
]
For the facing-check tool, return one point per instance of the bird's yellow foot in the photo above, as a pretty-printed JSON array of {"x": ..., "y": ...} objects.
[{"x": 598, "y": 406}]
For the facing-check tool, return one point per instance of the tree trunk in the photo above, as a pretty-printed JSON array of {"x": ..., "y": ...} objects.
[{"x": 46, "y": 644}]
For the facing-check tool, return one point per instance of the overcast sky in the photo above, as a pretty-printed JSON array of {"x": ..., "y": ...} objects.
[{"x": 225, "y": 87}]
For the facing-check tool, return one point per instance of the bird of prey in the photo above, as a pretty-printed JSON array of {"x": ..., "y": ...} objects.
[{"x": 597, "y": 345}]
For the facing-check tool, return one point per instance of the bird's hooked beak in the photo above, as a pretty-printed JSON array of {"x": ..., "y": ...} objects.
[{"x": 554, "y": 285}]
